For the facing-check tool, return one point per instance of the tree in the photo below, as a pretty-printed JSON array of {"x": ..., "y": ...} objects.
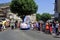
[
  {"x": 45, "y": 16},
  {"x": 23, "y": 7},
  {"x": 38, "y": 17}
]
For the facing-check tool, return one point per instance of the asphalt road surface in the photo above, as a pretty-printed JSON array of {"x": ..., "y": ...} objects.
[{"x": 25, "y": 35}]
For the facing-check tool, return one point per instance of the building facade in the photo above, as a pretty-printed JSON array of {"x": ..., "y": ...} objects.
[
  {"x": 57, "y": 9},
  {"x": 6, "y": 13},
  {"x": 3, "y": 12}
]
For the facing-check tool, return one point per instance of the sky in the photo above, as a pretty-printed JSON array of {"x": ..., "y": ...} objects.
[{"x": 44, "y": 6}]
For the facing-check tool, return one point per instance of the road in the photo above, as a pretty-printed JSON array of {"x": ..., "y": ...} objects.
[{"x": 25, "y": 35}]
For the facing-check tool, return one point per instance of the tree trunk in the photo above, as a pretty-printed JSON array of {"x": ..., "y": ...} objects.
[{"x": 22, "y": 17}]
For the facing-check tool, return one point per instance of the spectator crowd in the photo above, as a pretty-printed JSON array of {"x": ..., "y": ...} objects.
[{"x": 47, "y": 27}]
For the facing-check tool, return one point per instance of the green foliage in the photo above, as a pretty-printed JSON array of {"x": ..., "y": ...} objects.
[
  {"x": 45, "y": 16},
  {"x": 38, "y": 17},
  {"x": 23, "y": 7},
  {"x": 14, "y": 6}
]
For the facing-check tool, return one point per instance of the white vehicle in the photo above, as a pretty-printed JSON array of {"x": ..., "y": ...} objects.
[{"x": 24, "y": 26}]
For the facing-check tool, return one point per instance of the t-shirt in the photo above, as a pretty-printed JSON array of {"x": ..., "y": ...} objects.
[
  {"x": 12, "y": 23},
  {"x": 57, "y": 25},
  {"x": 47, "y": 26},
  {"x": 37, "y": 25},
  {"x": 3, "y": 23}
]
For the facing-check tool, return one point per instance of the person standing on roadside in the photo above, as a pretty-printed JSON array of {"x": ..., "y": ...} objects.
[
  {"x": 36, "y": 23},
  {"x": 59, "y": 28},
  {"x": 16, "y": 22},
  {"x": 32, "y": 26},
  {"x": 12, "y": 23},
  {"x": 38, "y": 26},
  {"x": 4, "y": 25},
  {"x": 50, "y": 27},
  {"x": 54, "y": 26},
  {"x": 47, "y": 27},
  {"x": 57, "y": 25}
]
